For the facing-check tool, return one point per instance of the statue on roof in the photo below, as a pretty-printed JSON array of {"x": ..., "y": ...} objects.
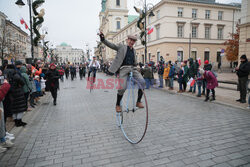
[{"x": 104, "y": 5}]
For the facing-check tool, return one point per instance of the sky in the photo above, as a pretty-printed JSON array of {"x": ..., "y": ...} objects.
[{"x": 72, "y": 21}]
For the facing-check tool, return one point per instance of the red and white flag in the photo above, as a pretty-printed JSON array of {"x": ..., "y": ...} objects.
[
  {"x": 25, "y": 24},
  {"x": 150, "y": 30},
  {"x": 191, "y": 82},
  {"x": 199, "y": 61}
]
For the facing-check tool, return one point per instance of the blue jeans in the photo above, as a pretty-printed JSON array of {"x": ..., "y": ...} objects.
[
  {"x": 171, "y": 82},
  {"x": 199, "y": 90},
  {"x": 161, "y": 80},
  {"x": 147, "y": 83},
  {"x": 180, "y": 86},
  {"x": 204, "y": 86}
]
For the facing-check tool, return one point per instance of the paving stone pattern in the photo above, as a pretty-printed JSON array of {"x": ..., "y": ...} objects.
[{"x": 81, "y": 131}]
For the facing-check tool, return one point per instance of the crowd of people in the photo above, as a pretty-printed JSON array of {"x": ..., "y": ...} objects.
[
  {"x": 195, "y": 75},
  {"x": 22, "y": 86}
]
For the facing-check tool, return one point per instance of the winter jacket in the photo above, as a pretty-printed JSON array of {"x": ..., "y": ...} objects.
[
  {"x": 171, "y": 72},
  {"x": 147, "y": 73},
  {"x": 185, "y": 74},
  {"x": 38, "y": 85},
  {"x": 160, "y": 69},
  {"x": 199, "y": 79},
  {"x": 244, "y": 69},
  {"x": 166, "y": 72},
  {"x": 211, "y": 80},
  {"x": 180, "y": 76},
  {"x": 18, "y": 100},
  {"x": 4, "y": 90},
  {"x": 207, "y": 67},
  {"x": 27, "y": 84},
  {"x": 52, "y": 77},
  {"x": 192, "y": 71}
]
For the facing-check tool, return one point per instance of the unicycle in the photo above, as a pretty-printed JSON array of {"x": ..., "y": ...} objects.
[{"x": 133, "y": 121}]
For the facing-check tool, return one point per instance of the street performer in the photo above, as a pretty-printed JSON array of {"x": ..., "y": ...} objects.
[{"x": 124, "y": 62}]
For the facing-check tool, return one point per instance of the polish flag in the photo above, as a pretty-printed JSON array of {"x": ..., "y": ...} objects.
[
  {"x": 191, "y": 82},
  {"x": 22, "y": 21},
  {"x": 150, "y": 30},
  {"x": 26, "y": 26}
]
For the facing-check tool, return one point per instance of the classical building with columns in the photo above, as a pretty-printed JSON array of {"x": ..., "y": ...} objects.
[
  {"x": 208, "y": 23},
  {"x": 67, "y": 54}
]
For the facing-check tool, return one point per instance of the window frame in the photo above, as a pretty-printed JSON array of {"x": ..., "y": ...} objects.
[
  {"x": 118, "y": 27},
  {"x": 209, "y": 32},
  {"x": 220, "y": 33},
  {"x": 180, "y": 35},
  {"x": 118, "y": 3},
  {"x": 207, "y": 14},
  {"x": 196, "y": 33},
  {"x": 220, "y": 15},
  {"x": 180, "y": 12},
  {"x": 194, "y": 13}
]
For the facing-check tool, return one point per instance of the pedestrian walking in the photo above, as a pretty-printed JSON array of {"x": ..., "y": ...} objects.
[
  {"x": 52, "y": 78},
  {"x": 212, "y": 83},
  {"x": 242, "y": 72},
  {"x": 180, "y": 79}
]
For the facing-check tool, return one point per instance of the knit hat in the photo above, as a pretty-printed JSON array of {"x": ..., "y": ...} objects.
[
  {"x": 206, "y": 62},
  {"x": 201, "y": 71},
  {"x": 243, "y": 57},
  {"x": 36, "y": 76}
]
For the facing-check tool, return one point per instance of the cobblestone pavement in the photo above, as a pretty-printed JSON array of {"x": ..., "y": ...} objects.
[{"x": 81, "y": 131}]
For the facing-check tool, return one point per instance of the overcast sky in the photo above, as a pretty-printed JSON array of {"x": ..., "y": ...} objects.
[{"x": 72, "y": 21}]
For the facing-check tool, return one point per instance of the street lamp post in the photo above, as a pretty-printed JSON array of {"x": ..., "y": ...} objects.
[
  {"x": 189, "y": 52},
  {"x": 151, "y": 14},
  {"x": 20, "y": 3}
]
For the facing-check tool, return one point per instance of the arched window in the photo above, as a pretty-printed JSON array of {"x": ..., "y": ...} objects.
[{"x": 117, "y": 2}]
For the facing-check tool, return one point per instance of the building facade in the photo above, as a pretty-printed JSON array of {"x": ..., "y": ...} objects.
[
  {"x": 209, "y": 25},
  {"x": 244, "y": 46},
  {"x": 67, "y": 54}
]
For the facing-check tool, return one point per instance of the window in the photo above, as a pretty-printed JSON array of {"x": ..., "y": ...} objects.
[
  {"x": 117, "y": 2},
  {"x": 194, "y": 32},
  {"x": 206, "y": 55},
  {"x": 158, "y": 32},
  {"x": 179, "y": 56},
  {"x": 207, "y": 32},
  {"x": 194, "y": 55},
  {"x": 220, "y": 33},
  {"x": 118, "y": 25},
  {"x": 149, "y": 20},
  {"x": 180, "y": 12},
  {"x": 194, "y": 13},
  {"x": 220, "y": 15},
  {"x": 207, "y": 14},
  {"x": 180, "y": 31}
]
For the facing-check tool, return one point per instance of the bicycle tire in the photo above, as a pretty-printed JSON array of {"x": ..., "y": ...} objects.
[{"x": 132, "y": 124}]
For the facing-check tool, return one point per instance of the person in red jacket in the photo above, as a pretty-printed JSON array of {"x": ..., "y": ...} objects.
[{"x": 3, "y": 142}]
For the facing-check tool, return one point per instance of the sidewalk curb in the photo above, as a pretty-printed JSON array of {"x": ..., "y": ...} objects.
[{"x": 216, "y": 102}]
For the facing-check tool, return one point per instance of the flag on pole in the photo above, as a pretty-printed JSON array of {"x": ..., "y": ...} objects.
[
  {"x": 199, "y": 61},
  {"x": 150, "y": 30},
  {"x": 25, "y": 24}
]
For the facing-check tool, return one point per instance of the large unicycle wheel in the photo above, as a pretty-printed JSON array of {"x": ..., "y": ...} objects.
[{"x": 133, "y": 121}]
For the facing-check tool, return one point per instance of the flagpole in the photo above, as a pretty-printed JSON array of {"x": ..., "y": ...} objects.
[{"x": 145, "y": 29}]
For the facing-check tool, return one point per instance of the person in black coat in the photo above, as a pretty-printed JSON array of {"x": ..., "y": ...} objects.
[
  {"x": 16, "y": 95},
  {"x": 52, "y": 77},
  {"x": 243, "y": 72}
]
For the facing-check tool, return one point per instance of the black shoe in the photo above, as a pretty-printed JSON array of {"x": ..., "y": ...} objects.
[
  {"x": 198, "y": 95},
  {"x": 32, "y": 106},
  {"x": 239, "y": 100},
  {"x": 54, "y": 102},
  {"x": 243, "y": 101},
  {"x": 22, "y": 123},
  {"x": 17, "y": 123},
  {"x": 212, "y": 99},
  {"x": 206, "y": 99}
]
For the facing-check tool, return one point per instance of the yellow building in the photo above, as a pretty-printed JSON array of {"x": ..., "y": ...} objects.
[{"x": 208, "y": 23}]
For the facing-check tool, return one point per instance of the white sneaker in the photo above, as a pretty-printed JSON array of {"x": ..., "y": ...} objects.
[
  {"x": 2, "y": 149},
  {"x": 248, "y": 107},
  {"x": 7, "y": 144},
  {"x": 9, "y": 137},
  {"x": 9, "y": 134}
]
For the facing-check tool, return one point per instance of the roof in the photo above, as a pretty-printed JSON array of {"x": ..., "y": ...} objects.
[
  {"x": 212, "y": 2},
  {"x": 64, "y": 44},
  {"x": 131, "y": 18}
]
